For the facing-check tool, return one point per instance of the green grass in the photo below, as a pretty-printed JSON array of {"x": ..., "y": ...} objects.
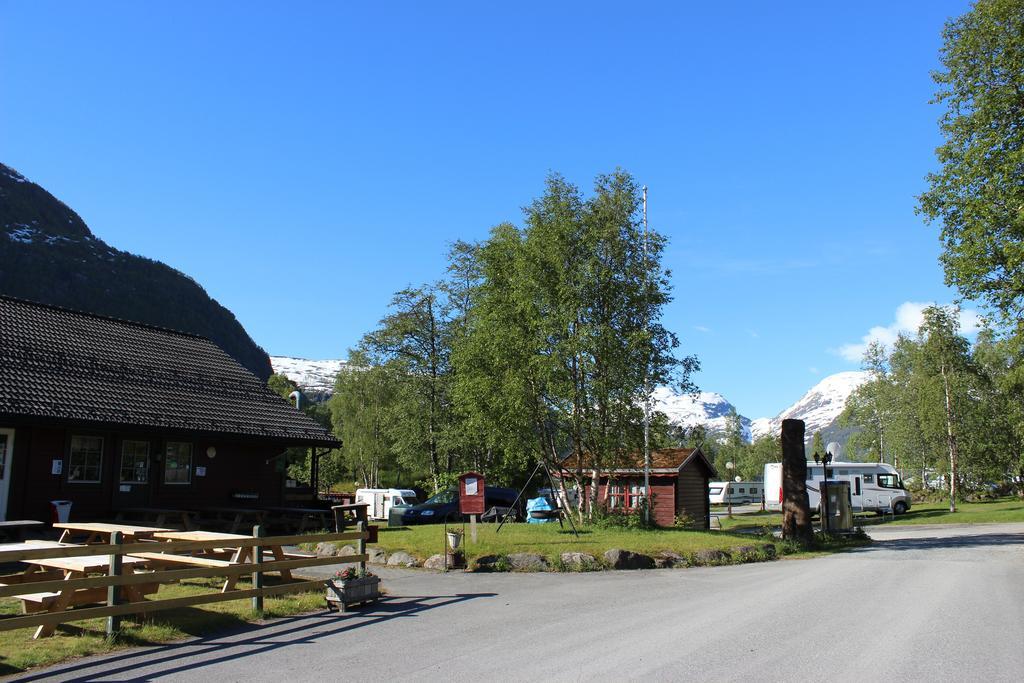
[
  {"x": 999, "y": 510},
  {"x": 551, "y": 541},
  {"x": 18, "y": 652}
]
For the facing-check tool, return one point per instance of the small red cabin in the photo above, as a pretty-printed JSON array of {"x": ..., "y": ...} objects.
[{"x": 679, "y": 485}]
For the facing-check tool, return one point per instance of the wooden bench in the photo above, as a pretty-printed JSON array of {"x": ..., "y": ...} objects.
[
  {"x": 43, "y": 602},
  {"x": 168, "y": 558}
]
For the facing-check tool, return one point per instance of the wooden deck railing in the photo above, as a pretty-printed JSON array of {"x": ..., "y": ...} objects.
[{"x": 19, "y": 584}]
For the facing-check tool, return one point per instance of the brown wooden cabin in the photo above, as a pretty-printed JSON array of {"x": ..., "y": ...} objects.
[
  {"x": 112, "y": 414},
  {"x": 679, "y": 485}
]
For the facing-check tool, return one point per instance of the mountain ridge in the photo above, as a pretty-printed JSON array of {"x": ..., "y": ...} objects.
[{"x": 49, "y": 255}]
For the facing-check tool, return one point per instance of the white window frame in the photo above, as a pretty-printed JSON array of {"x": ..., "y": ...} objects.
[{"x": 71, "y": 453}]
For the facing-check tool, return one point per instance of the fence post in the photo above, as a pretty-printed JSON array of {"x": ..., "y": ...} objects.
[
  {"x": 257, "y": 575},
  {"x": 114, "y": 592},
  {"x": 361, "y": 545}
]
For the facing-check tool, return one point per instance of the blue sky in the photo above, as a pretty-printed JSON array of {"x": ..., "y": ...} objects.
[{"x": 304, "y": 160}]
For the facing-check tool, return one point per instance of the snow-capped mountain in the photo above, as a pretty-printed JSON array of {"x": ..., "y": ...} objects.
[
  {"x": 818, "y": 408},
  {"x": 315, "y": 377},
  {"x": 689, "y": 410}
]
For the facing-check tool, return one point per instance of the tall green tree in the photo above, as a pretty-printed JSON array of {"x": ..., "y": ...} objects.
[
  {"x": 565, "y": 325},
  {"x": 363, "y": 410},
  {"x": 978, "y": 193}
]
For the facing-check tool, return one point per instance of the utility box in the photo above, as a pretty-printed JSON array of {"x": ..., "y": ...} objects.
[{"x": 840, "y": 508}]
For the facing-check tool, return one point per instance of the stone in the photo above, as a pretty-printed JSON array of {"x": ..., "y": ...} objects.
[
  {"x": 579, "y": 561},
  {"x": 769, "y": 550},
  {"x": 402, "y": 559},
  {"x": 376, "y": 555},
  {"x": 711, "y": 557},
  {"x": 326, "y": 550},
  {"x": 347, "y": 550},
  {"x": 667, "y": 559},
  {"x": 746, "y": 553},
  {"x": 434, "y": 562},
  {"x": 527, "y": 562},
  {"x": 626, "y": 559},
  {"x": 490, "y": 563}
]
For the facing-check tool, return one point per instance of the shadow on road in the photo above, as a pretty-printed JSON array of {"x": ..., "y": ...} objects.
[
  {"x": 259, "y": 639},
  {"x": 943, "y": 543}
]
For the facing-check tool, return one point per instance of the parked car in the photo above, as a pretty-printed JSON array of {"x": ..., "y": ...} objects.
[{"x": 444, "y": 506}]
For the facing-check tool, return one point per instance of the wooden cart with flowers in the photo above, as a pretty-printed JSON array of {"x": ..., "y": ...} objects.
[{"x": 350, "y": 587}]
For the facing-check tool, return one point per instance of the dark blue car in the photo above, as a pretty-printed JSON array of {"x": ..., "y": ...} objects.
[{"x": 444, "y": 506}]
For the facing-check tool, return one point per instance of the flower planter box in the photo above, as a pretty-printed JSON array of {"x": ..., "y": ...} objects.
[{"x": 344, "y": 593}]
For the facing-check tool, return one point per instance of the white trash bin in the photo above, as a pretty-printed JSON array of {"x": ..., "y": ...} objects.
[{"x": 61, "y": 510}]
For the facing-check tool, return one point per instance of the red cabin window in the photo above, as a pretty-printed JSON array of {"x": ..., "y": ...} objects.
[{"x": 624, "y": 496}]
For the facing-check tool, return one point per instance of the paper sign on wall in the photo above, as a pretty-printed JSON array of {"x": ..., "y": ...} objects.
[
  {"x": 57, "y": 467},
  {"x": 200, "y": 471},
  {"x": 471, "y": 486}
]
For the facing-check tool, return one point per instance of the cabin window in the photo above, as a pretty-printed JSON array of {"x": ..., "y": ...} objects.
[
  {"x": 743, "y": 490},
  {"x": 134, "y": 462},
  {"x": 85, "y": 461},
  {"x": 715, "y": 490},
  {"x": 844, "y": 473},
  {"x": 625, "y": 496},
  {"x": 869, "y": 479},
  {"x": 178, "y": 463}
]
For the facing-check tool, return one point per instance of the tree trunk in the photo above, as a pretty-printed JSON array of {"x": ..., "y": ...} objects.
[
  {"x": 796, "y": 513},
  {"x": 951, "y": 437}
]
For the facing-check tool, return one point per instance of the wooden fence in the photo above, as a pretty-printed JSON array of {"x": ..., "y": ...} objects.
[{"x": 19, "y": 584}]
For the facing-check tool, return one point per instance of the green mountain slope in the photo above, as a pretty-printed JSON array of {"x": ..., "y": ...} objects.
[{"x": 48, "y": 254}]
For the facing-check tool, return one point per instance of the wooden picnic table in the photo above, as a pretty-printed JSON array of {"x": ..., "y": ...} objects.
[
  {"x": 75, "y": 568},
  {"x": 235, "y": 518},
  {"x": 14, "y": 529},
  {"x": 239, "y": 554},
  {"x": 99, "y": 532},
  {"x": 186, "y": 519},
  {"x": 357, "y": 510}
]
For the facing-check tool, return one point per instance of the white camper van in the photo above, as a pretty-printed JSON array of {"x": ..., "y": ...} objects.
[
  {"x": 382, "y": 500},
  {"x": 874, "y": 487},
  {"x": 735, "y": 492}
]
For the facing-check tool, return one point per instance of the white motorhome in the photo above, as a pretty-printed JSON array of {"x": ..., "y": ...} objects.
[
  {"x": 874, "y": 487},
  {"x": 735, "y": 492},
  {"x": 382, "y": 500}
]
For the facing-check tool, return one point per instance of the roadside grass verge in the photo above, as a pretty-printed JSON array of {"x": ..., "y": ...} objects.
[
  {"x": 982, "y": 512},
  {"x": 549, "y": 541},
  {"x": 18, "y": 652}
]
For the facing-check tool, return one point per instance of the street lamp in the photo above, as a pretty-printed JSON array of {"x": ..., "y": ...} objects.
[
  {"x": 824, "y": 460},
  {"x": 728, "y": 493}
]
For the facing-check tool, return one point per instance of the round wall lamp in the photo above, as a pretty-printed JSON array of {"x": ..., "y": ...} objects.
[{"x": 211, "y": 452}]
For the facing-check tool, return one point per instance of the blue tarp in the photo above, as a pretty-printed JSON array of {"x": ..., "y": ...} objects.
[{"x": 537, "y": 504}]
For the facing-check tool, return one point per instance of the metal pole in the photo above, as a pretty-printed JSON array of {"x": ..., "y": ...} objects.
[{"x": 647, "y": 388}]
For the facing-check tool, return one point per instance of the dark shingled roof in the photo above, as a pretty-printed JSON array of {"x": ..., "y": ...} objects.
[
  {"x": 663, "y": 461},
  {"x": 57, "y": 364}
]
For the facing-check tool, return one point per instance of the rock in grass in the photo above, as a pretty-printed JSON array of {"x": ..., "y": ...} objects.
[
  {"x": 402, "y": 559},
  {"x": 376, "y": 555},
  {"x": 527, "y": 562},
  {"x": 746, "y": 553},
  {"x": 346, "y": 550},
  {"x": 769, "y": 550},
  {"x": 326, "y": 550},
  {"x": 710, "y": 558},
  {"x": 490, "y": 563},
  {"x": 434, "y": 562},
  {"x": 626, "y": 559},
  {"x": 667, "y": 559},
  {"x": 578, "y": 561}
]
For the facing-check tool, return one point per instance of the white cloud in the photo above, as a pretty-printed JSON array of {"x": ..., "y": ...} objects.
[
  {"x": 813, "y": 370},
  {"x": 908, "y": 319},
  {"x": 701, "y": 328}
]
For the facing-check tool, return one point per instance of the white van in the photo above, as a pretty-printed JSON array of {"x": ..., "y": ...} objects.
[
  {"x": 735, "y": 492},
  {"x": 382, "y": 500},
  {"x": 874, "y": 487}
]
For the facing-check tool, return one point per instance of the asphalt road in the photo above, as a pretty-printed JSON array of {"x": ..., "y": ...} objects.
[{"x": 922, "y": 604}]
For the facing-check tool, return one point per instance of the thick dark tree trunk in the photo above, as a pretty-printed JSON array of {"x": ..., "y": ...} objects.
[{"x": 796, "y": 513}]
